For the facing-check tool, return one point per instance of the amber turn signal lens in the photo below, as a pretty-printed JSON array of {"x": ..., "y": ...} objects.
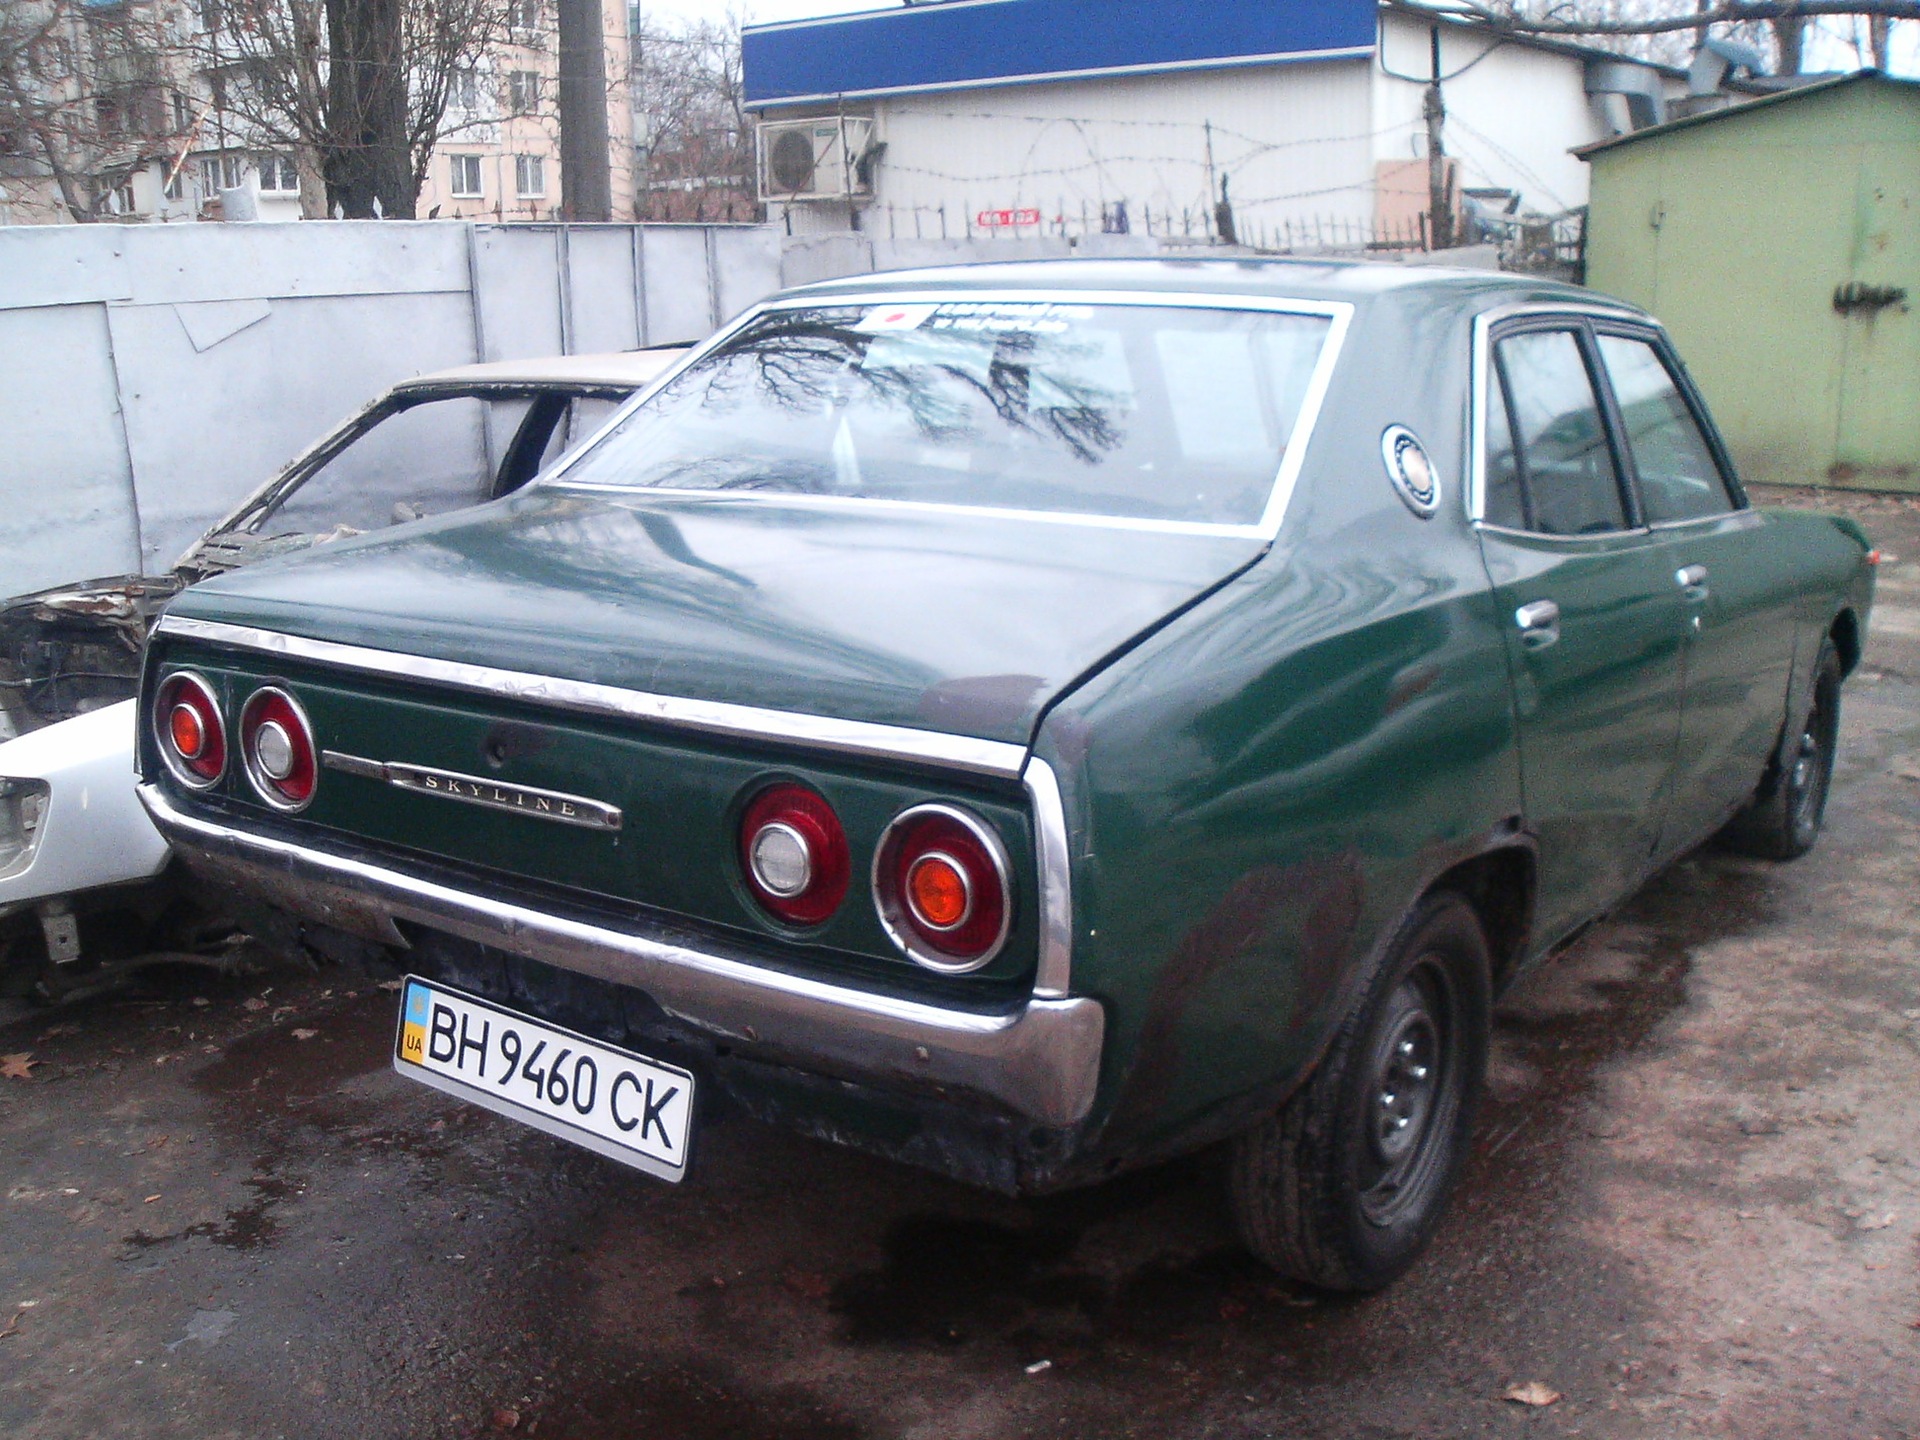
[
  {"x": 937, "y": 891},
  {"x": 189, "y": 731},
  {"x": 189, "y": 735},
  {"x": 943, "y": 887}
]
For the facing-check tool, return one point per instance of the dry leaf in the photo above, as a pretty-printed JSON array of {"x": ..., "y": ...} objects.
[
  {"x": 13, "y": 1325},
  {"x": 253, "y": 1002},
  {"x": 1869, "y": 1223},
  {"x": 506, "y": 1419},
  {"x": 18, "y": 1067},
  {"x": 1532, "y": 1393},
  {"x": 150, "y": 1199},
  {"x": 305, "y": 1034},
  {"x": 200, "y": 1002},
  {"x": 389, "y": 985}
]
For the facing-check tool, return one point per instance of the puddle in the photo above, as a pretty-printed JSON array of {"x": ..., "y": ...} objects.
[{"x": 247, "y": 1227}]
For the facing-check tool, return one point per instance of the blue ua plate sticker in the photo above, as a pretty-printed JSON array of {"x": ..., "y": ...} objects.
[{"x": 1411, "y": 470}]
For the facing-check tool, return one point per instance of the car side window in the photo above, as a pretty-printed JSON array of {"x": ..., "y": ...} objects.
[
  {"x": 1679, "y": 479},
  {"x": 1566, "y": 465}
]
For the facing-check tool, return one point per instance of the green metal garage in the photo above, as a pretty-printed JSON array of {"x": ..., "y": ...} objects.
[{"x": 1780, "y": 241}]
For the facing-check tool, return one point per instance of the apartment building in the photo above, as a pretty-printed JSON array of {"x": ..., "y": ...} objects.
[{"x": 141, "y": 113}]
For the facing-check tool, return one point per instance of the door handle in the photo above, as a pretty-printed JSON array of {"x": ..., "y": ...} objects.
[
  {"x": 1539, "y": 623},
  {"x": 1691, "y": 578}
]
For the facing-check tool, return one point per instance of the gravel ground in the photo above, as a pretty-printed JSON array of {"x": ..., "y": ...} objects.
[{"x": 1693, "y": 1209}]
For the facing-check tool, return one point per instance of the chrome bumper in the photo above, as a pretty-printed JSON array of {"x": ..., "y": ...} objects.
[{"x": 1042, "y": 1062}]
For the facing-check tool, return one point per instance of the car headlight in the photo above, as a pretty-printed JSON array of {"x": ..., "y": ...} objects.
[{"x": 23, "y": 806}]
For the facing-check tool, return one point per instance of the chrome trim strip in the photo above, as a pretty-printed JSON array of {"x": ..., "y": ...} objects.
[
  {"x": 1338, "y": 312},
  {"x": 554, "y": 805},
  {"x": 996, "y": 758},
  {"x": 1054, "y": 977},
  {"x": 1042, "y": 1061},
  {"x": 1480, "y": 382}
]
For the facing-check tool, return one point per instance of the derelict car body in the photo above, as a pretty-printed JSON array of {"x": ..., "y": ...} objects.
[{"x": 1222, "y": 763}]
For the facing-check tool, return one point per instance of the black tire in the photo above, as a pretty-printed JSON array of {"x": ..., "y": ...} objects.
[
  {"x": 1782, "y": 820},
  {"x": 1342, "y": 1188}
]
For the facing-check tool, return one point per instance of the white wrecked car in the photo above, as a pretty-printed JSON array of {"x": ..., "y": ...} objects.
[{"x": 84, "y": 881}]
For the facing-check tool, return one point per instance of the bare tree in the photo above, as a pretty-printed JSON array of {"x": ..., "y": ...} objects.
[
  {"x": 699, "y": 141},
  {"x": 81, "y": 97},
  {"x": 359, "y": 90},
  {"x": 1785, "y": 20}
]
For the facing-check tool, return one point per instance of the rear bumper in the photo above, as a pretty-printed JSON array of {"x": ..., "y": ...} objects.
[{"x": 1042, "y": 1061}]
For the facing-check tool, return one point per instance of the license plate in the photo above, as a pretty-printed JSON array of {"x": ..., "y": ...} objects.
[{"x": 611, "y": 1101}]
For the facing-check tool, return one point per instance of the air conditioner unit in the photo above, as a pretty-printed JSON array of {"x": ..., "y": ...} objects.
[{"x": 828, "y": 158}]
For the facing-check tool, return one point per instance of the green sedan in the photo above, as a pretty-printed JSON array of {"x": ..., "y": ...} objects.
[{"x": 1033, "y": 720}]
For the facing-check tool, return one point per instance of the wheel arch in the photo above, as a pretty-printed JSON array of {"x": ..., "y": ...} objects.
[
  {"x": 1845, "y": 634},
  {"x": 1500, "y": 884}
]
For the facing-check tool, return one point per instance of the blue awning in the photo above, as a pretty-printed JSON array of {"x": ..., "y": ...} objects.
[{"x": 1003, "y": 42}]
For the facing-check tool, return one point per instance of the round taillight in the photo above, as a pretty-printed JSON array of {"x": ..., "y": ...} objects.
[
  {"x": 276, "y": 744},
  {"x": 794, "y": 854},
  {"x": 188, "y": 728},
  {"x": 941, "y": 883}
]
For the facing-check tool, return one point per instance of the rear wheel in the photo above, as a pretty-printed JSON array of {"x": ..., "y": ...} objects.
[
  {"x": 1783, "y": 818},
  {"x": 1343, "y": 1187}
]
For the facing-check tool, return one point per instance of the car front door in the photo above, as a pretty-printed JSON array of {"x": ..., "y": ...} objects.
[
  {"x": 1595, "y": 623},
  {"x": 1740, "y": 608}
]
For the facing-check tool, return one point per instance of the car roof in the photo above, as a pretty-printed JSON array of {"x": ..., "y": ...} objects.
[
  {"x": 1336, "y": 280},
  {"x": 623, "y": 369}
]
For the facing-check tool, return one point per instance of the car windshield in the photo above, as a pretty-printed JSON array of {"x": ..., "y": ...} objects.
[{"x": 1145, "y": 412}]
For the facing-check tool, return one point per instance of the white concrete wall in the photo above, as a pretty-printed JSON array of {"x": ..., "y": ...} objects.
[
  {"x": 1293, "y": 139},
  {"x": 1514, "y": 114},
  {"x": 150, "y": 375}
]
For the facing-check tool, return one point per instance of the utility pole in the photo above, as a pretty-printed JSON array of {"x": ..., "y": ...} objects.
[
  {"x": 1439, "y": 206},
  {"x": 586, "y": 179}
]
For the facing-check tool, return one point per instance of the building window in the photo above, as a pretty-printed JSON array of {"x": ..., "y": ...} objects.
[
  {"x": 530, "y": 176},
  {"x": 224, "y": 171},
  {"x": 466, "y": 91},
  {"x": 279, "y": 175},
  {"x": 523, "y": 92},
  {"x": 177, "y": 184},
  {"x": 212, "y": 12},
  {"x": 466, "y": 177},
  {"x": 182, "y": 113},
  {"x": 523, "y": 14}
]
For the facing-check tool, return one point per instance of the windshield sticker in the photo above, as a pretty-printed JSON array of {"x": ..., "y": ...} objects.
[
  {"x": 1000, "y": 317},
  {"x": 895, "y": 317},
  {"x": 1410, "y": 470}
]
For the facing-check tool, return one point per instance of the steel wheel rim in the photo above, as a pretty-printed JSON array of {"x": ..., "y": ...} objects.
[{"x": 1411, "y": 1095}]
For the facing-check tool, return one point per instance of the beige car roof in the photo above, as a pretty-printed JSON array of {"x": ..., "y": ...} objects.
[{"x": 628, "y": 369}]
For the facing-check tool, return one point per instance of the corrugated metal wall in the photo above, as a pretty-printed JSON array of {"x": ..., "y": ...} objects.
[
  {"x": 1739, "y": 231},
  {"x": 150, "y": 376}
]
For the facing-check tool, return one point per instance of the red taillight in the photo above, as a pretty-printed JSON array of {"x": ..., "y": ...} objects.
[
  {"x": 276, "y": 742},
  {"x": 942, "y": 886},
  {"x": 191, "y": 735},
  {"x": 794, "y": 855}
]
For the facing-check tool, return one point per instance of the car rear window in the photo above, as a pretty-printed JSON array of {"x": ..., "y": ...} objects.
[{"x": 1142, "y": 412}]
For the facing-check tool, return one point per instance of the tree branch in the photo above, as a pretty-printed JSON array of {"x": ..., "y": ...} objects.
[{"x": 1729, "y": 12}]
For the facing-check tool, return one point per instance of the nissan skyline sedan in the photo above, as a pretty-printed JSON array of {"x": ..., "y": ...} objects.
[{"x": 1034, "y": 720}]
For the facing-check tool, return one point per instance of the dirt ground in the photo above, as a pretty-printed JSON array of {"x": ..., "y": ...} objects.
[{"x": 1693, "y": 1210}]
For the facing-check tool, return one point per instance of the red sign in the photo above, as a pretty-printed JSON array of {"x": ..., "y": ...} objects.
[{"x": 998, "y": 219}]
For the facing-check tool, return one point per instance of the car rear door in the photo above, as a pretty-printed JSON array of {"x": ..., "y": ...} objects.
[
  {"x": 1595, "y": 623},
  {"x": 1739, "y": 635}
]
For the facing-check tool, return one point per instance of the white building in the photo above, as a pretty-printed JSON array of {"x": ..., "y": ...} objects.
[{"x": 1059, "y": 116}]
